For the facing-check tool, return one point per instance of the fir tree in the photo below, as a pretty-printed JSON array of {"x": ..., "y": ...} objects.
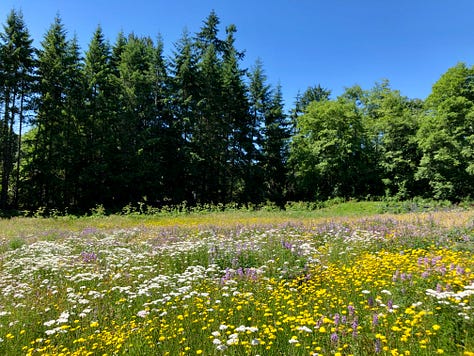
[{"x": 16, "y": 83}]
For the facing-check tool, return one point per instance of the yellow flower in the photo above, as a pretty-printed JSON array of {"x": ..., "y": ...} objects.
[
  {"x": 198, "y": 352},
  {"x": 436, "y": 327}
]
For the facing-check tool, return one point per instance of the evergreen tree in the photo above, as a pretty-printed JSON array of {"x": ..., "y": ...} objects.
[
  {"x": 212, "y": 129},
  {"x": 137, "y": 119},
  {"x": 59, "y": 75},
  {"x": 259, "y": 96},
  {"x": 185, "y": 97},
  {"x": 209, "y": 139},
  {"x": 235, "y": 108},
  {"x": 16, "y": 83},
  {"x": 98, "y": 139},
  {"x": 276, "y": 134},
  {"x": 168, "y": 145},
  {"x": 207, "y": 35},
  {"x": 312, "y": 93},
  {"x": 75, "y": 115},
  {"x": 117, "y": 50}
]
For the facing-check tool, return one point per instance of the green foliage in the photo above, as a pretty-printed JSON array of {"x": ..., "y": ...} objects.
[
  {"x": 16, "y": 243},
  {"x": 16, "y": 86},
  {"x": 392, "y": 122},
  {"x": 312, "y": 93},
  {"x": 50, "y": 172},
  {"x": 327, "y": 150},
  {"x": 415, "y": 205},
  {"x": 446, "y": 134},
  {"x": 98, "y": 210},
  {"x": 123, "y": 122}
]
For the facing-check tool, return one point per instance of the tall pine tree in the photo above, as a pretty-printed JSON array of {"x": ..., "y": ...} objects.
[
  {"x": 276, "y": 134},
  {"x": 16, "y": 83},
  {"x": 49, "y": 181}
]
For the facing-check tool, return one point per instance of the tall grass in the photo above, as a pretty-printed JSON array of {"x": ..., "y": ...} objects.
[{"x": 239, "y": 283}]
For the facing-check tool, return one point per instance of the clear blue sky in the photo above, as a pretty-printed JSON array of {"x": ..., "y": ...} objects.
[{"x": 335, "y": 43}]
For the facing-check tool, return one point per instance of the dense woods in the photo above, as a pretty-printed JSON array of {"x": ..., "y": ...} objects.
[{"x": 124, "y": 123}]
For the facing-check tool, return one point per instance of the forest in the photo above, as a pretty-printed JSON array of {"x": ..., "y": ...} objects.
[{"x": 123, "y": 123}]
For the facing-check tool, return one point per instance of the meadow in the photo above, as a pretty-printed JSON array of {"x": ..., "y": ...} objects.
[{"x": 339, "y": 281}]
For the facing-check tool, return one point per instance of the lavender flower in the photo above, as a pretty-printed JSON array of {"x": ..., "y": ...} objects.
[
  {"x": 355, "y": 324},
  {"x": 370, "y": 301},
  {"x": 88, "y": 257},
  {"x": 351, "y": 309},
  {"x": 375, "y": 320},
  {"x": 378, "y": 345}
]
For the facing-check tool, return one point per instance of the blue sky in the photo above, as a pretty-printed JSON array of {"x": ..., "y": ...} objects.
[{"x": 334, "y": 43}]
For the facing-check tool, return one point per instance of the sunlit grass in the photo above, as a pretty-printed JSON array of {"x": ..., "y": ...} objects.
[{"x": 241, "y": 283}]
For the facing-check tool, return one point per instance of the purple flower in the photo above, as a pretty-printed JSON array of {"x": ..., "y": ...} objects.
[
  {"x": 334, "y": 338},
  {"x": 370, "y": 302},
  {"x": 378, "y": 345},
  {"x": 337, "y": 318},
  {"x": 355, "y": 324},
  {"x": 88, "y": 257},
  {"x": 227, "y": 276},
  {"x": 351, "y": 309},
  {"x": 89, "y": 231},
  {"x": 442, "y": 270},
  {"x": 375, "y": 320},
  {"x": 460, "y": 270}
]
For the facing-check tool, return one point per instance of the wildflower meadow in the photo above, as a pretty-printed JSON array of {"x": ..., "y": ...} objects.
[{"x": 381, "y": 284}]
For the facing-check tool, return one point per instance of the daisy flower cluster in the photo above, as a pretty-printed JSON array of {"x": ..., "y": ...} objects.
[{"x": 355, "y": 287}]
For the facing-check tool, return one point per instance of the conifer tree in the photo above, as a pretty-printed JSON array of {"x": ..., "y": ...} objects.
[
  {"x": 259, "y": 94},
  {"x": 209, "y": 142},
  {"x": 166, "y": 145},
  {"x": 59, "y": 75},
  {"x": 16, "y": 83},
  {"x": 137, "y": 118},
  {"x": 276, "y": 134},
  {"x": 235, "y": 108},
  {"x": 98, "y": 148},
  {"x": 184, "y": 100}
]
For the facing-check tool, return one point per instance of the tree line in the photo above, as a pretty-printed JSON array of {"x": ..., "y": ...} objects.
[{"x": 123, "y": 123}]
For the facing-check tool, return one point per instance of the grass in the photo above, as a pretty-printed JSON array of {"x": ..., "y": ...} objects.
[
  {"x": 339, "y": 280},
  {"x": 30, "y": 228}
]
